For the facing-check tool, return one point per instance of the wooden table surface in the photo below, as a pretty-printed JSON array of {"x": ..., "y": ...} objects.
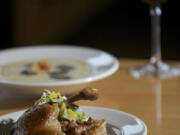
[{"x": 155, "y": 101}]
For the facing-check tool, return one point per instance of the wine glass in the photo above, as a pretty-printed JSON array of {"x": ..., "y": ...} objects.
[{"x": 155, "y": 68}]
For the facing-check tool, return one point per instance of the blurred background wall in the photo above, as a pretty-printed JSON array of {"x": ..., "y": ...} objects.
[{"x": 121, "y": 27}]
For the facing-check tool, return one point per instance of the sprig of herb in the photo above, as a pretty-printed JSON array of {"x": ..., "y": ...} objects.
[{"x": 5, "y": 126}]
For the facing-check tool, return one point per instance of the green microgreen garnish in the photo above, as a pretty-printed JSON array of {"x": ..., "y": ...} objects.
[
  {"x": 66, "y": 112},
  {"x": 50, "y": 97}
]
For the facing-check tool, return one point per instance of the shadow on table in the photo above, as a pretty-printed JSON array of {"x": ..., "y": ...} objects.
[{"x": 10, "y": 100}]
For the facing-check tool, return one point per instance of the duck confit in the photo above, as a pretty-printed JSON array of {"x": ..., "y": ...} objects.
[{"x": 54, "y": 114}]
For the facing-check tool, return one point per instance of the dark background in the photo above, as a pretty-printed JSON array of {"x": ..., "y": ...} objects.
[{"x": 121, "y": 27}]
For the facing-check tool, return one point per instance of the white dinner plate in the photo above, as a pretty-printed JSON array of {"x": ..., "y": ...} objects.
[
  {"x": 119, "y": 123},
  {"x": 102, "y": 64}
]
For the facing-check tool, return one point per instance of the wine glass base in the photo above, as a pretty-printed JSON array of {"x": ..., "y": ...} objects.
[{"x": 158, "y": 70}]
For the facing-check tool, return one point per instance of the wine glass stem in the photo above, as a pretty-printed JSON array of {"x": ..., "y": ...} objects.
[{"x": 155, "y": 13}]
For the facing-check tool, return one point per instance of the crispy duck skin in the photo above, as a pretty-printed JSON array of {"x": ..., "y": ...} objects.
[{"x": 39, "y": 120}]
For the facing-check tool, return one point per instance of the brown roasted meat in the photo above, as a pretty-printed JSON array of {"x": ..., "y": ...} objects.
[
  {"x": 90, "y": 127},
  {"x": 47, "y": 118},
  {"x": 39, "y": 120}
]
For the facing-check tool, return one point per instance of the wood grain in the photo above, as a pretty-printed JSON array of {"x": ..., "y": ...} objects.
[{"x": 155, "y": 101}]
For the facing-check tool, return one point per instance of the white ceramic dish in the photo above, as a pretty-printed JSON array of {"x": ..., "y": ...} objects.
[
  {"x": 123, "y": 123},
  {"x": 102, "y": 64}
]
